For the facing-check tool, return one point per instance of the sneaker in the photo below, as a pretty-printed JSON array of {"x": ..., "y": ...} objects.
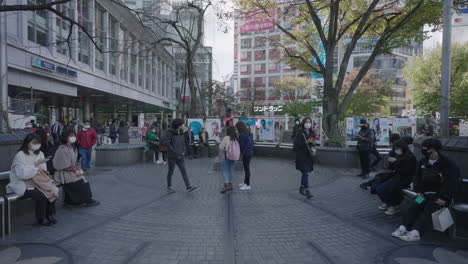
[
  {"x": 241, "y": 184},
  {"x": 159, "y": 162},
  {"x": 170, "y": 189},
  {"x": 412, "y": 236},
  {"x": 302, "y": 191},
  {"x": 191, "y": 188},
  {"x": 308, "y": 194},
  {"x": 399, "y": 233},
  {"x": 392, "y": 210},
  {"x": 164, "y": 162},
  {"x": 92, "y": 202},
  {"x": 383, "y": 207},
  {"x": 245, "y": 188}
]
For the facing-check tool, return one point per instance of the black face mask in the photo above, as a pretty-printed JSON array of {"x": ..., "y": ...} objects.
[{"x": 425, "y": 152}]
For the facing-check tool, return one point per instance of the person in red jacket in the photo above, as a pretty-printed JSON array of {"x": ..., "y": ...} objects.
[{"x": 86, "y": 139}]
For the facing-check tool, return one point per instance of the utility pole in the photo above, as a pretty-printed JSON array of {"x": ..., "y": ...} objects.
[
  {"x": 3, "y": 73},
  {"x": 445, "y": 70}
]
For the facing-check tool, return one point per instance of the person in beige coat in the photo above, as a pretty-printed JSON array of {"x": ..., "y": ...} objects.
[{"x": 29, "y": 162}]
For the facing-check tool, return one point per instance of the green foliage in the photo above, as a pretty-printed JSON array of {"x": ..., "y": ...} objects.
[
  {"x": 302, "y": 109},
  {"x": 424, "y": 74}
]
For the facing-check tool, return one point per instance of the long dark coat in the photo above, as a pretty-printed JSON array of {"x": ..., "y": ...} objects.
[{"x": 304, "y": 161}]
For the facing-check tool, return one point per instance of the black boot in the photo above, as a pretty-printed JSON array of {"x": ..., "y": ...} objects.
[
  {"x": 308, "y": 194},
  {"x": 52, "y": 219},
  {"x": 364, "y": 185},
  {"x": 43, "y": 222},
  {"x": 302, "y": 190}
]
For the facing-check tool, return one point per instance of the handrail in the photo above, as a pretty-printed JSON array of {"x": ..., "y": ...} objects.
[{"x": 4, "y": 175}]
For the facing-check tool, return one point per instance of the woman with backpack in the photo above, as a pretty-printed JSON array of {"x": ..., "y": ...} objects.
[
  {"x": 303, "y": 147},
  {"x": 230, "y": 147},
  {"x": 246, "y": 147}
]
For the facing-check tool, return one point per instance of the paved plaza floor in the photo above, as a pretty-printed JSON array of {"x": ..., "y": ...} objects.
[{"x": 137, "y": 222}]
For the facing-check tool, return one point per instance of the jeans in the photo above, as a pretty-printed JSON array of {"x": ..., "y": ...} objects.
[
  {"x": 181, "y": 164},
  {"x": 386, "y": 195},
  {"x": 44, "y": 208},
  {"x": 228, "y": 170},
  {"x": 305, "y": 180},
  {"x": 85, "y": 158},
  {"x": 377, "y": 155},
  {"x": 246, "y": 162},
  {"x": 364, "y": 158}
]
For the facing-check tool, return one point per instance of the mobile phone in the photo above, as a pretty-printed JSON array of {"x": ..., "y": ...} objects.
[{"x": 420, "y": 200}]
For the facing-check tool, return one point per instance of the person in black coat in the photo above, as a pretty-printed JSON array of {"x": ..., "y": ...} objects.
[
  {"x": 190, "y": 143},
  {"x": 389, "y": 191},
  {"x": 436, "y": 181},
  {"x": 297, "y": 125},
  {"x": 303, "y": 146}
]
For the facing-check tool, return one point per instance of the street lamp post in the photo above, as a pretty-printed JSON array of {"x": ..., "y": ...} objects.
[
  {"x": 3, "y": 73},
  {"x": 446, "y": 64}
]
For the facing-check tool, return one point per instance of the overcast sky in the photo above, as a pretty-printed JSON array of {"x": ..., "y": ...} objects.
[{"x": 223, "y": 46}]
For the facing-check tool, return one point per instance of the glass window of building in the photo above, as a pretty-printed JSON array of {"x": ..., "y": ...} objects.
[
  {"x": 273, "y": 67},
  {"x": 100, "y": 37},
  {"x": 259, "y": 82},
  {"x": 148, "y": 70},
  {"x": 260, "y": 94},
  {"x": 259, "y": 68},
  {"x": 274, "y": 41},
  {"x": 84, "y": 50},
  {"x": 260, "y": 55},
  {"x": 63, "y": 28},
  {"x": 125, "y": 54},
  {"x": 141, "y": 65},
  {"x": 272, "y": 80},
  {"x": 246, "y": 43},
  {"x": 260, "y": 42},
  {"x": 38, "y": 24},
  {"x": 133, "y": 59},
  {"x": 246, "y": 55},
  {"x": 245, "y": 82},
  {"x": 245, "y": 69},
  {"x": 114, "y": 46},
  {"x": 273, "y": 54}
]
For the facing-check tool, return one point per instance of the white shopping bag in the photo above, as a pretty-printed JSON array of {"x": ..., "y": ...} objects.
[{"x": 442, "y": 219}]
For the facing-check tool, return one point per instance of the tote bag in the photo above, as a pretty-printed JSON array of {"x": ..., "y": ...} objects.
[{"x": 442, "y": 219}]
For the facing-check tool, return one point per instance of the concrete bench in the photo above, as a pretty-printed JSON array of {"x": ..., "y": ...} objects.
[
  {"x": 6, "y": 200},
  {"x": 119, "y": 154}
]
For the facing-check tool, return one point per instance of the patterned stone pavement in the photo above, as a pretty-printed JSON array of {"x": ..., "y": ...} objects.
[{"x": 137, "y": 222}]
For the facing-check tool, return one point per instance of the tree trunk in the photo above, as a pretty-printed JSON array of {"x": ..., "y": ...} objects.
[
  {"x": 193, "y": 89},
  {"x": 330, "y": 108}
]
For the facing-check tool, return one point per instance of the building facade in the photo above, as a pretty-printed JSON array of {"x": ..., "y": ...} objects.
[{"x": 123, "y": 74}]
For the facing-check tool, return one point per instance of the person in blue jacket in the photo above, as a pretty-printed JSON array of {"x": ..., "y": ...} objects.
[{"x": 246, "y": 147}]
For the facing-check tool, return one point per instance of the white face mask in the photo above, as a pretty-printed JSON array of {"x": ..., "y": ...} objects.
[
  {"x": 71, "y": 140},
  {"x": 87, "y": 126},
  {"x": 307, "y": 125},
  {"x": 398, "y": 152},
  {"x": 297, "y": 122},
  {"x": 35, "y": 147}
]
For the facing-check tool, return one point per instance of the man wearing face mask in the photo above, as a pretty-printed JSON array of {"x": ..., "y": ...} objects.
[
  {"x": 435, "y": 182},
  {"x": 365, "y": 140},
  {"x": 86, "y": 139}
]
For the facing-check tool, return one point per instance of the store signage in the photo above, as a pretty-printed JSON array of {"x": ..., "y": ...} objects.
[
  {"x": 45, "y": 65},
  {"x": 166, "y": 103},
  {"x": 271, "y": 108}
]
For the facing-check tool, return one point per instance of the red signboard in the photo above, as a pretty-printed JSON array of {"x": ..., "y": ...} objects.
[{"x": 256, "y": 22}]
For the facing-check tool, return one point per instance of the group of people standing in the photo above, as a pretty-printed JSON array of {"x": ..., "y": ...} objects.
[{"x": 43, "y": 164}]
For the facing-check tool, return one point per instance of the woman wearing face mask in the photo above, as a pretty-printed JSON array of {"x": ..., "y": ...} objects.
[
  {"x": 75, "y": 186},
  {"x": 435, "y": 182},
  {"x": 303, "y": 146},
  {"x": 27, "y": 163},
  {"x": 297, "y": 125},
  {"x": 389, "y": 191},
  {"x": 152, "y": 142}
]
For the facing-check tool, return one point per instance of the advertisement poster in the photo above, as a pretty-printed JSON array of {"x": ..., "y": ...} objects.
[
  {"x": 266, "y": 129},
  {"x": 196, "y": 124},
  {"x": 381, "y": 127},
  {"x": 406, "y": 127},
  {"x": 463, "y": 128},
  {"x": 213, "y": 127},
  {"x": 317, "y": 128}
]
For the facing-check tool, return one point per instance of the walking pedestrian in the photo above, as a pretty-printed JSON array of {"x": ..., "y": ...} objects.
[
  {"x": 173, "y": 138},
  {"x": 436, "y": 181},
  {"x": 86, "y": 139},
  {"x": 122, "y": 131},
  {"x": 246, "y": 146},
  {"x": 113, "y": 131},
  {"x": 231, "y": 149},
  {"x": 152, "y": 142},
  {"x": 365, "y": 139},
  {"x": 303, "y": 147}
]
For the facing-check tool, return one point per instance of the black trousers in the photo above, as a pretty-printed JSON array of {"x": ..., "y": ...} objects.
[
  {"x": 365, "y": 162},
  {"x": 246, "y": 162},
  {"x": 419, "y": 216},
  {"x": 377, "y": 155},
  {"x": 44, "y": 208},
  {"x": 181, "y": 164}
]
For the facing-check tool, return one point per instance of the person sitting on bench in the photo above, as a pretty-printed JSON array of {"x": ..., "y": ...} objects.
[
  {"x": 76, "y": 188},
  {"x": 29, "y": 162}
]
